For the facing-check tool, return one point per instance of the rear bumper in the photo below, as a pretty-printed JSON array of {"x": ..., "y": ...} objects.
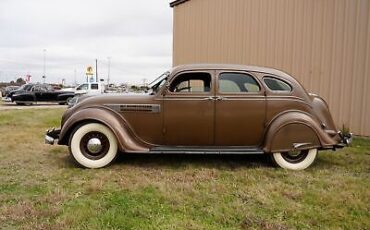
[
  {"x": 51, "y": 136},
  {"x": 346, "y": 140}
]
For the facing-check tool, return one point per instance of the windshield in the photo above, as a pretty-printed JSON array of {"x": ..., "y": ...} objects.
[
  {"x": 27, "y": 87},
  {"x": 158, "y": 82},
  {"x": 83, "y": 87}
]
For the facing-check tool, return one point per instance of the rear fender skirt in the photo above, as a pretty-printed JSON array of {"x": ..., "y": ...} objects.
[
  {"x": 295, "y": 130},
  {"x": 127, "y": 140}
]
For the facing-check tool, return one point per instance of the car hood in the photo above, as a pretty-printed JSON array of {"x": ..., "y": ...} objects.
[
  {"x": 17, "y": 91},
  {"x": 99, "y": 100}
]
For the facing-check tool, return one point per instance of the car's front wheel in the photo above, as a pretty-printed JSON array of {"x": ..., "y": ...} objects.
[
  {"x": 295, "y": 160},
  {"x": 93, "y": 145}
]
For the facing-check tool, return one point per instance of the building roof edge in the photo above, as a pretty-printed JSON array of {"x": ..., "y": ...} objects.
[{"x": 177, "y": 2}]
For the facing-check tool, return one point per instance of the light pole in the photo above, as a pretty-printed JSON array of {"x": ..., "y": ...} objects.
[
  {"x": 44, "y": 67},
  {"x": 75, "y": 77},
  {"x": 108, "y": 78}
]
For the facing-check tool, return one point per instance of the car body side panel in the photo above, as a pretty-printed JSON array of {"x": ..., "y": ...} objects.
[
  {"x": 288, "y": 125},
  {"x": 288, "y": 120},
  {"x": 126, "y": 138},
  {"x": 146, "y": 125},
  {"x": 286, "y": 138},
  {"x": 24, "y": 97},
  {"x": 188, "y": 118},
  {"x": 240, "y": 117}
]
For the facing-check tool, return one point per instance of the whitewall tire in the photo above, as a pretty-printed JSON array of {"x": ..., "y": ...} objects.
[
  {"x": 93, "y": 145},
  {"x": 295, "y": 161}
]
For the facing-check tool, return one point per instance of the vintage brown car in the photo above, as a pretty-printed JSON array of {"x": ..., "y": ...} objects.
[{"x": 204, "y": 109}]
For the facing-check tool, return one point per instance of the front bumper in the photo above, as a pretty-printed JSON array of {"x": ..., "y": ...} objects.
[
  {"x": 51, "y": 136},
  {"x": 6, "y": 99}
]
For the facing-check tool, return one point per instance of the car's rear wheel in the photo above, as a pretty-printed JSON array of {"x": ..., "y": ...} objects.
[
  {"x": 295, "y": 160},
  {"x": 93, "y": 145}
]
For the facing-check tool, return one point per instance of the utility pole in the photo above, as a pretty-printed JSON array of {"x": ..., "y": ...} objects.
[
  {"x": 96, "y": 70},
  {"x": 75, "y": 77},
  {"x": 44, "y": 66},
  {"x": 108, "y": 78}
]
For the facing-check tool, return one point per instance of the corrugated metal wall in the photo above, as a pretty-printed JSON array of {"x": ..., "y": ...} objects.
[{"x": 325, "y": 44}]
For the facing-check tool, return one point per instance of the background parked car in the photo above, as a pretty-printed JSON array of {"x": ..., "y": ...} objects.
[
  {"x": 8, "y": 89},
  {"x": 41, "y": 93},
  {"x": 22, "y": 89},
  {"x": 90, "y": 88}
]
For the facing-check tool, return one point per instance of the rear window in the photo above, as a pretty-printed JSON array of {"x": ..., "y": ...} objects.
[{"x": 277, "y": 85}]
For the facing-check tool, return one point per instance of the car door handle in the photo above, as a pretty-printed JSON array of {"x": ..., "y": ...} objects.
[{"x": 214, "y": 98}]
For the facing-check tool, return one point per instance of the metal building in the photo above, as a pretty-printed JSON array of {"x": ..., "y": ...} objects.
[{"x": 325, "y": 44}]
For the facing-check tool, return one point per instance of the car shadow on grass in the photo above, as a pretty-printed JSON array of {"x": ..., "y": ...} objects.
[{"x": 173, "y": 161}]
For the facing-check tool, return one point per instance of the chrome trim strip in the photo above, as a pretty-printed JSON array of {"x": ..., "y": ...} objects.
[
  {"x": 299, "y": 145},
  {"x": 149, "y": 108}
]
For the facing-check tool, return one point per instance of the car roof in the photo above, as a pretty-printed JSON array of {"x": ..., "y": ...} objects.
[{"x": 251, "y": 68}]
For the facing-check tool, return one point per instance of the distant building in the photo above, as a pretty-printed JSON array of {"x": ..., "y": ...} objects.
[{"x": 325, "y": 44}]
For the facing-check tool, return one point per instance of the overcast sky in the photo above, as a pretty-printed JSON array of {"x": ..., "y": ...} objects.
[{"x": 137, "y": 35}]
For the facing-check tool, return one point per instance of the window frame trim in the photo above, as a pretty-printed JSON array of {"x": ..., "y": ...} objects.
[
  {"x": 170, "y": 93},
  {"x": 279, "y": 79},
  {"x": 218, "y": 74}
]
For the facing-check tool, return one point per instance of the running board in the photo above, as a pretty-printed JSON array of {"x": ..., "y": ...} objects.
[{"x": 205, "y": 150}]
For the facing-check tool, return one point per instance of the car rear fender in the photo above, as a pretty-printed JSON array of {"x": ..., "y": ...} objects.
[
  {"x": 295, "y": 130},
  {"x": 126, "y": 138}
]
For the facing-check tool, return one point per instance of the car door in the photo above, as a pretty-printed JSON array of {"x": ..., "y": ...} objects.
[
  {"x": 37, "y": 93},
  {"x": 240, "y": 109},
  {"x": 188, "y": 109},
  {"x": 41, "y": 93},
  {"x": 48, "y": 93}
]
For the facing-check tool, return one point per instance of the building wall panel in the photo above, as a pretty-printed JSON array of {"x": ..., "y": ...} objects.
[{"x": 325, "y": 44}]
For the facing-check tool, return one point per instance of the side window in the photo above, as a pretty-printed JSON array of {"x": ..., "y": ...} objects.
[
  {"x": 238, "y": 83},
  {"x": 94, "y": 86},
  {"x": 83, "y": 87},
  {"x": 44, "y": 88},
  {"x": 36, "y": 88},
  {"x": 275, "y": 84},
  {"x": 191, "y": 83}
]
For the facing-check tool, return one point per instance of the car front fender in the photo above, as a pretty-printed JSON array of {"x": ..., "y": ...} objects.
[
  {"x": 126, "y": 138},
  {"x": 65, "y": 96},
  {"x": 295, "y": 130},
  {"x": 24, "y": 97}
]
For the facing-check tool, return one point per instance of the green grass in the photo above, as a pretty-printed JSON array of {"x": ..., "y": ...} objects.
[{"x": 41, "y": 188}]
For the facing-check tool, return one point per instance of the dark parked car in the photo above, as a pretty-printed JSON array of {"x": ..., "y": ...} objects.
[
  {"x": 40, "y": 93},
  {"x": 204, "y": 109},
  {"x": 5, "y": 91},
  {"x": 24, "y": 88}
]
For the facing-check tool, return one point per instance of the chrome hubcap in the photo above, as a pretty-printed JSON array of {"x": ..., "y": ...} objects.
[{"x": 94, "y": 145}]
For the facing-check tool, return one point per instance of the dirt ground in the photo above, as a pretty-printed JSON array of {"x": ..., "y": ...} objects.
[{"x": 39, "y": 105}]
